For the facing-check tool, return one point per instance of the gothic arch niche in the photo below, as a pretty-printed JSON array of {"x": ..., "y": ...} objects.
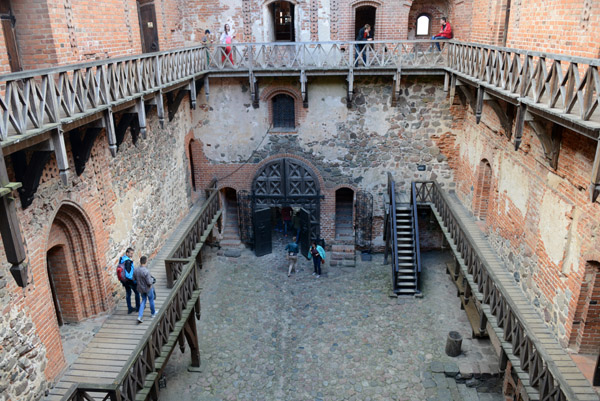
[
  {"x": 287, "y": 182},
  {"x": 194, "y": 151},
  {"x": 74, "y": 274},
  {"x": 344, "y": 214},
  {"x": 586, "y": 323},
  {"x": 481, "y": 201}
]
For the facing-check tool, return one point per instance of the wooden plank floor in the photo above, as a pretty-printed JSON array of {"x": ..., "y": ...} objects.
[
  {"x": 578, "y": 383},
  {"x": 107, "y": 353}
]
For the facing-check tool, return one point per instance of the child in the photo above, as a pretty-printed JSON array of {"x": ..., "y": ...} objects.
[{"x": 144, "y": 287}]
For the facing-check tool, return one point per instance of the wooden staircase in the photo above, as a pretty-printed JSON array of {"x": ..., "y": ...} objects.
[{"x": 406, "y": 278}]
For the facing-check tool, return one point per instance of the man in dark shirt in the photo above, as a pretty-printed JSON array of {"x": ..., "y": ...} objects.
[
  {"x": 292, "y": 254},
  {"x": 364, "y": 35}
]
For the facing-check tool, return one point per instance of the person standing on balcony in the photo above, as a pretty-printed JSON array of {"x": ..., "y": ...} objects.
[
  {"x": 226, "y": 39},
  {"x": 445, "y": 32},
  {"x": 364, "y": 35}
]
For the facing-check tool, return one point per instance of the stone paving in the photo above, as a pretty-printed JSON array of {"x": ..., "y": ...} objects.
[{"x": 264, "y": 336}]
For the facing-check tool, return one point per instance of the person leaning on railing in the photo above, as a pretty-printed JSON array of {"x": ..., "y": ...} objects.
[
  {"x": 364, "y": 35},
  {"x": 445, "y": 32}
]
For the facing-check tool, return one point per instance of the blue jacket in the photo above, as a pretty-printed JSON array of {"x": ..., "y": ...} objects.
[
  {"x": 130, "y": 275},
  {"x": 321, "y": 252}
]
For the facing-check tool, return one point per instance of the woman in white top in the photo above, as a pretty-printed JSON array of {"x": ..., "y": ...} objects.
[{"x": 226, "y": 39}]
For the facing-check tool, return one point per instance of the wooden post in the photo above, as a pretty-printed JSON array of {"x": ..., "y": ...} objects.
[
  {"x": 9, "y": 222},
  {"x": 191, "y": 335},
  {"x": 453, "y": 343}
]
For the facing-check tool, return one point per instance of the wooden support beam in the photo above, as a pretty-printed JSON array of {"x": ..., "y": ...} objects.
[
  {"x": 479, "y": 104},
  {"x": 397, "y": 90},
  {"x": 29, "y": 173},
  {"x": 124, "y": 123},
  {"x": 60, "y": 153},
  {"x": 350, "y": 94},
  {"x": 550, "y": 136},
  {"x": 469, "y": 97},
  {"x": 520, "y": 124},
  {"x": 595, "y": 181},
  {"x": 446, "y": 81},
  {"x": 9, "y": 221},
  {"x": 452, "y": 88},
  {"x": 191, "y": 335},
  {"x": 140, "y": 109},
  {"x": 82, "y": 147},
  {"x": 108, "y": 123},
  {"x": 157, "y": 100},
  {"x": 303, "y": 81},
  {"x": 206, "y": 88},
  {"x": 192, "y": 89}
]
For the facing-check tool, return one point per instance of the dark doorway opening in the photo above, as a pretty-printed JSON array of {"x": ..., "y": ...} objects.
[
  {"x": 148, "y": 27},
  {"x": 276, "y": 226},
  {"x": 60, "y": 288},
  {"x": 344, "y": 219},
  {"x": 362, "y": 16},
  {"x": 8, "y": 20},
  {"x": 231, "y": 223},
  {"x": 283, "y": 21}
]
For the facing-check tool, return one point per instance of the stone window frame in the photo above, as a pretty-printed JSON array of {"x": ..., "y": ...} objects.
[{"x": 269, "y": 94}]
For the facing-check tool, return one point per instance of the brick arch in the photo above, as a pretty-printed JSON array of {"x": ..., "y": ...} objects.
[
  {"x": 268, "y": 94},
  {"x": 71, "y": 259},
  {"x": 483, "y": 189},
  {"x": 586, "y": 322}
]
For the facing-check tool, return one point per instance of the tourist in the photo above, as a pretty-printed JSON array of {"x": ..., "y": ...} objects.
[
  {"x": 445, "y": 32},
  {"x": 317, "y": 253},
  {"x": 286, "y": 216},
  {"x": 364, "y": 35},
  {"x": 129, "y": 282},
  {"x": 296, "y": 222},
  {"x": 144, "y": 287},
  {"x": 226, "y": 39},
  {"x": 292, "y": 255}
]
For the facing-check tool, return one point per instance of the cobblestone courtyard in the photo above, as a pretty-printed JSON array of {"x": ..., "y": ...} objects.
[{"x": 264, "y": 336}]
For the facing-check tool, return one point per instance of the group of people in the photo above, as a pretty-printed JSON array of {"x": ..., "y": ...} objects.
[
  {"x": 365, "y": 34},
  {"x": 139, "y": 281},
  {"x": 316, "y": 253},
  {"x": 226, "y": 39}
]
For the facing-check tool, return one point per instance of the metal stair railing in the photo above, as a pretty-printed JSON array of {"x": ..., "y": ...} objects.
[
  {"x": 392, "y": 231},
  {"x": 417, "y": 251}
]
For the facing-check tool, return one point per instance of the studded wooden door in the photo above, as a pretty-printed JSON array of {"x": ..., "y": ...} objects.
[{"x": 289, "y": 182}]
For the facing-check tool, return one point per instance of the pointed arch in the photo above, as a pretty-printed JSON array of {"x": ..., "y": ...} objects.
[{"x": 483, "y": 187}]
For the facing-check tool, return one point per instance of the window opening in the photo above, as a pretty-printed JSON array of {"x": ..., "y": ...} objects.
[
  {"x": 284, "y": 115},
  {"x": 423, "y": 25},
  {"x": 283, "y": 20}
]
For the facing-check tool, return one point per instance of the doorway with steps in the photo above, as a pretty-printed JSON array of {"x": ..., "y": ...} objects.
[
  {"x": 343, "y": 249},
  {"x": 231, "y": 228}
]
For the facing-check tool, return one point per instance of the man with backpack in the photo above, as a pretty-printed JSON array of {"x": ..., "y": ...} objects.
[{"x": 125, "y": 275}]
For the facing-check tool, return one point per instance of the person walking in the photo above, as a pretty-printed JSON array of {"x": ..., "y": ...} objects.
[
  {"x": 445, "y": 32},
  {"x": 144, "y": 287},
  {"x": 292, "y": 254},
  {"x": 129, "y": 280},
  {"x": 317, "y": 254}
]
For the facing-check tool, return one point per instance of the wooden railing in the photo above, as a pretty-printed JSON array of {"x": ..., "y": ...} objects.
[
  {"x": 140, "y": 370},
  {"x": 543, "y": 372},
  {"x": 392, "y": 231},
  {"x": 324, "y": 55},
  {"x": 570, "y": 85},
  {"x": 195, "y": 236}
]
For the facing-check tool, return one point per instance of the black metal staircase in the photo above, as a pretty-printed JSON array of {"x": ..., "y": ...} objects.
[{"x": 402, "y": 242}]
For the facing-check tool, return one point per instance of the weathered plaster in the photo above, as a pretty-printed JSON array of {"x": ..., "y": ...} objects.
[
  {"x": 513, "y": 180},
  {"x": 554, "y": 225}
]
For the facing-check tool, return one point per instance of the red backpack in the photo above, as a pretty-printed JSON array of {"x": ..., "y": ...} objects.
[{"x": 121, "y": 272}]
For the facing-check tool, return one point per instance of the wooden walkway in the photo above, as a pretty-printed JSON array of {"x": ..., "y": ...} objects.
[
  {"x": 104, "y": 357},
  {"x": 580, "y": 386}
]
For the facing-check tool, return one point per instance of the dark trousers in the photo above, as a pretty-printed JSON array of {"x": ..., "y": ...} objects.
[
  {"x": 317, "y": 264},
  {"x": 358, "y": 54},
  {"x": 128, "y": 288}
]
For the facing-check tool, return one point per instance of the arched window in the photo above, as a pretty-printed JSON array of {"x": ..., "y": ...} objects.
[
  {"x": 482, "y": 190},
  {"x": 423, "y": 23},
  {"x": 284, "y": 113}
]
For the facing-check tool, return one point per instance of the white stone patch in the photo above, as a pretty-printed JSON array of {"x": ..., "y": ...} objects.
[
  {"x": 514, "y": 181},
  {"x": 323, "y": 18},
  {"x": 571, "y": 262},
  {"x": 554, "y": 225},
  {"x": 125, "y": 213}
]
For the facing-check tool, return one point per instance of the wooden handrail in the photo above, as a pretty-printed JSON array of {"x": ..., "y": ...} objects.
[
  {"x": 393, "y": 229},
  {"x": 535, "y": 360}
]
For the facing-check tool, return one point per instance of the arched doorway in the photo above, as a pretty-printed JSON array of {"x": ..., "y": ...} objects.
[
  {"x": 344, "y": 215},
  {"x": 283, "y": 21},
  {"x": 282, "y": 183},
  {"x": 74, "y": 274},
  {"x": 586, "y": 323},
  {"x": 364, "y": 15},
  {"x": 231, "y": 226},
  {"x": 481, "y": 201}
]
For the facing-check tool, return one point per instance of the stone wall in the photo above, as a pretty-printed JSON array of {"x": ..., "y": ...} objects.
[
  {"x": 135, "y": 199},
  {"x": 539, "y": 219},
  {"x": 355, "y": 147}
]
